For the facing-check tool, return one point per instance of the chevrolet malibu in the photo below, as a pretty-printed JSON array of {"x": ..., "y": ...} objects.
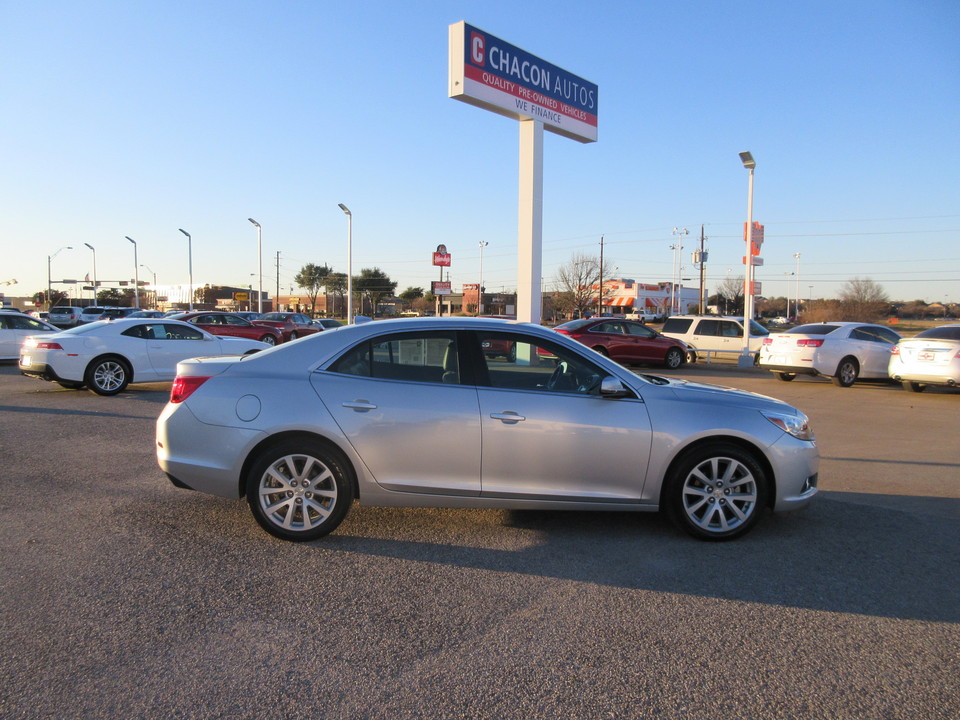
[
  {"x": 414, "y": 413},
  {"x": 107, "y": 355},
  {"x": 931, "y": 357}
]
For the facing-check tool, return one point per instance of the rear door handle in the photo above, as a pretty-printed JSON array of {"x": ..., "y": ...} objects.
[
  {"x": 509, "y": 417},
  {"x": 361, "y": 405}
]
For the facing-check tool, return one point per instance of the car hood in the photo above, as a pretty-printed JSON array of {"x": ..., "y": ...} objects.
[{"x": 702, "y": 393}]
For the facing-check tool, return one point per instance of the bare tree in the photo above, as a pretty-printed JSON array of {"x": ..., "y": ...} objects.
[
  {"x": 731, "y": 290},
  {"x": 863, "y": 300},
  {"x": 578, "y": 278}
]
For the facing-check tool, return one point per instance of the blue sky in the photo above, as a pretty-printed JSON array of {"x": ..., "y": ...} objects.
[{"x": 139, "y": 118}]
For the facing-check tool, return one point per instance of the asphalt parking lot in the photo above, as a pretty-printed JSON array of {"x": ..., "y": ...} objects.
[{"x": 124, "y": 597}]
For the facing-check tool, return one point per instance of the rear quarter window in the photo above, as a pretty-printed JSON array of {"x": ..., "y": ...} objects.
[{"x": 677, "y": 325}]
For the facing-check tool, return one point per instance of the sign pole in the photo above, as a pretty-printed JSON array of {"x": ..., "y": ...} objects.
[{"x": 530, "y": 224}]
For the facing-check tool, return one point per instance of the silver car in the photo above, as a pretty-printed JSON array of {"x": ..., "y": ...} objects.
[{"x": 414, "y": 413}]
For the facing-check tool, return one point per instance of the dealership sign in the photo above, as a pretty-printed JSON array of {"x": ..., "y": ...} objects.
[{"x": 495, "y": 75}]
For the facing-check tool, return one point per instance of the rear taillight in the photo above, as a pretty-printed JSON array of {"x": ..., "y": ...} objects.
[
  {"x": 562, "y": 332},
  {"x": 896, "y": 350},
  {"x": 184, "y": 386},
  {"x": 810, "y": 342},
  {"x": 49, "y": 346},
  {"x": 768, "y": 341}
]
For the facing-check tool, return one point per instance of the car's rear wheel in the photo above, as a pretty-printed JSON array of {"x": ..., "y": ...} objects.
[
  {"x": 293, "y": 335},
  {"x": 786, "y": 377},
  {"x": 911, "y": 386},
  {"x": 299, "y": 490},
  {"x": 107, "y": 376},
  {"x": 269, "y": 339},
  {"x": 673, "y": 358},
  {"x": 602, "y": 350},
  {"x": 716, "y": 492},
  {"x": 847, "y": 372}
]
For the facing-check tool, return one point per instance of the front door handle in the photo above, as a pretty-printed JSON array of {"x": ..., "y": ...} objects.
[
  {"x": 361, "y": 405},
  {"x": 509, "y": 417}
]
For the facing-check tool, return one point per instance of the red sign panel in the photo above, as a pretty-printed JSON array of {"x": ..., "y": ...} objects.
[
  {"x": 440, "y": 288},
  {"x": 756, "y": 237},
  {"x": 441, "y": 259}
]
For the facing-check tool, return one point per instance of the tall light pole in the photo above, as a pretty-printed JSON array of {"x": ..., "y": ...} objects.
[
  {"x": 259, "y": 265},
  {"x": 49, "y": 280},
  {"x": 93, "y": 250},
  {"x": 483, "y": 244},
  {"x": 788, "y": 274},
  {"x": 745, "y": 360},
  {"x": 680, "y": 232},
  {"x": 673, "y": 281},
  {"x": 189, "y": 263},
  {"x": 796, "y": 310},
  {"x": 136, "y": 273},
  {"x": 349, "y": 262}
]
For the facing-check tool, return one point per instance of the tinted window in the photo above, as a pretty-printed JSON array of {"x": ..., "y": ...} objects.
[
  {"x": 820, "y": 329},
  {"x": 176, "y": 332},
  {"x": 608, "y": 327},
  {"x": 941, "y": 333},
  {"x": 639, "y": 330},
  {"x": 430, "y": 357},
  {"x": 574, "y": 324},
  {"x": 677, "y": 325},
  {"x": 707, "y": 327}
]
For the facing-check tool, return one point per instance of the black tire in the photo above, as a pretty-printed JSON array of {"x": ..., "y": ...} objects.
[
  {"x": 716, "y": 492},
  {"x": 602, "y": 350},
  {"x": 911, "y": 386},
  {"x": 70, "y": 385},
  {"x": 293, "y": 335},
  {"x": 107, "y": 375},
  {"x": 269, "y": 339},
  {"x": 691, "y": 357},
  {"x": 847, "y": 372},
  {"x": 674, "y": 358},
  {"x": 785, "y": 377},
  {"x": 299, "y": 490}
]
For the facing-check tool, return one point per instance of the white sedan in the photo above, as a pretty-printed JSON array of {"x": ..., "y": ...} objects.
[
  {"x": 841, "y": 351},
  {"x": 106, "y": 356},
  {"x": 17, "y": 327},
  {"x": 929, "y": 358}
]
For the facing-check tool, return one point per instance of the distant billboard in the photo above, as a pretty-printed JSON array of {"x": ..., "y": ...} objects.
[{"x": 487, "y": 72}]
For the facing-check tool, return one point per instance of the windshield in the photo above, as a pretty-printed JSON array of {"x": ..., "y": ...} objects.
[
  {"x": 818, "y": 329},
  {"x": 951, "y": 332}
]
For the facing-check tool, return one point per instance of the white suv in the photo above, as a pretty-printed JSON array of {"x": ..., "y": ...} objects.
[{"x": 713, "y": 333}]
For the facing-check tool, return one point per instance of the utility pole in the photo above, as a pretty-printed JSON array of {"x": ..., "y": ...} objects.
[
  {"x": 276, "y": 297},
  {"x": 703, "y": 263},
  {"x": 600, "y": 294}
]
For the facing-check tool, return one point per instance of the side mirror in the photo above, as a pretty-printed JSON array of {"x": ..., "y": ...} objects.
[{"x": 612, "y": 388}]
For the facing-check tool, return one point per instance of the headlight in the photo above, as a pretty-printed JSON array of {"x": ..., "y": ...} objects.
[{"x": 796, "y": 425}]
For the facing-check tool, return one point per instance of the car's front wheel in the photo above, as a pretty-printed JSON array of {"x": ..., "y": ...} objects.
[
  {"x": 716, "y": 492},
  {"x": 107, "y": 376},
  {"x": 674, "y": 358},
  {"x": 299, "y": 490},
  {"x": 847, "y": 372}
]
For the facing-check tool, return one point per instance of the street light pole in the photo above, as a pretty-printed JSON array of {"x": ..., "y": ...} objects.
[
  {"x": 189, "y": 263},
  {"x": 745, "y": 360},
  {"x": 349, "y": 262},
  {"x": 483, "y": 244},
  {"x": 149, "y": 270},
  {"x": 680, "y": 232},
  {"x": 259, "y": 265},
  {"x": 94, "y": 271},
  {"x": 796, "y": 310},
  {"x": 49, "y": 280},
  {"x": 136, "y": 273}
]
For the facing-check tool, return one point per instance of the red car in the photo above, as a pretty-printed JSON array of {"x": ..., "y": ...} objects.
[
  {"x": 626, "y": 341},
  {"x": 291, "y": 324},
  {"x": 222, "y": 323}
]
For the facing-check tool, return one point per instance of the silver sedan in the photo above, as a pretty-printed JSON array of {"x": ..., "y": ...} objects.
[{"x": 414, "y": 413}]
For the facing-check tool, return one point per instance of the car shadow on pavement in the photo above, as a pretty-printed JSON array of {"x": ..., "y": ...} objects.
[{"x": 839, "y": 555}]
